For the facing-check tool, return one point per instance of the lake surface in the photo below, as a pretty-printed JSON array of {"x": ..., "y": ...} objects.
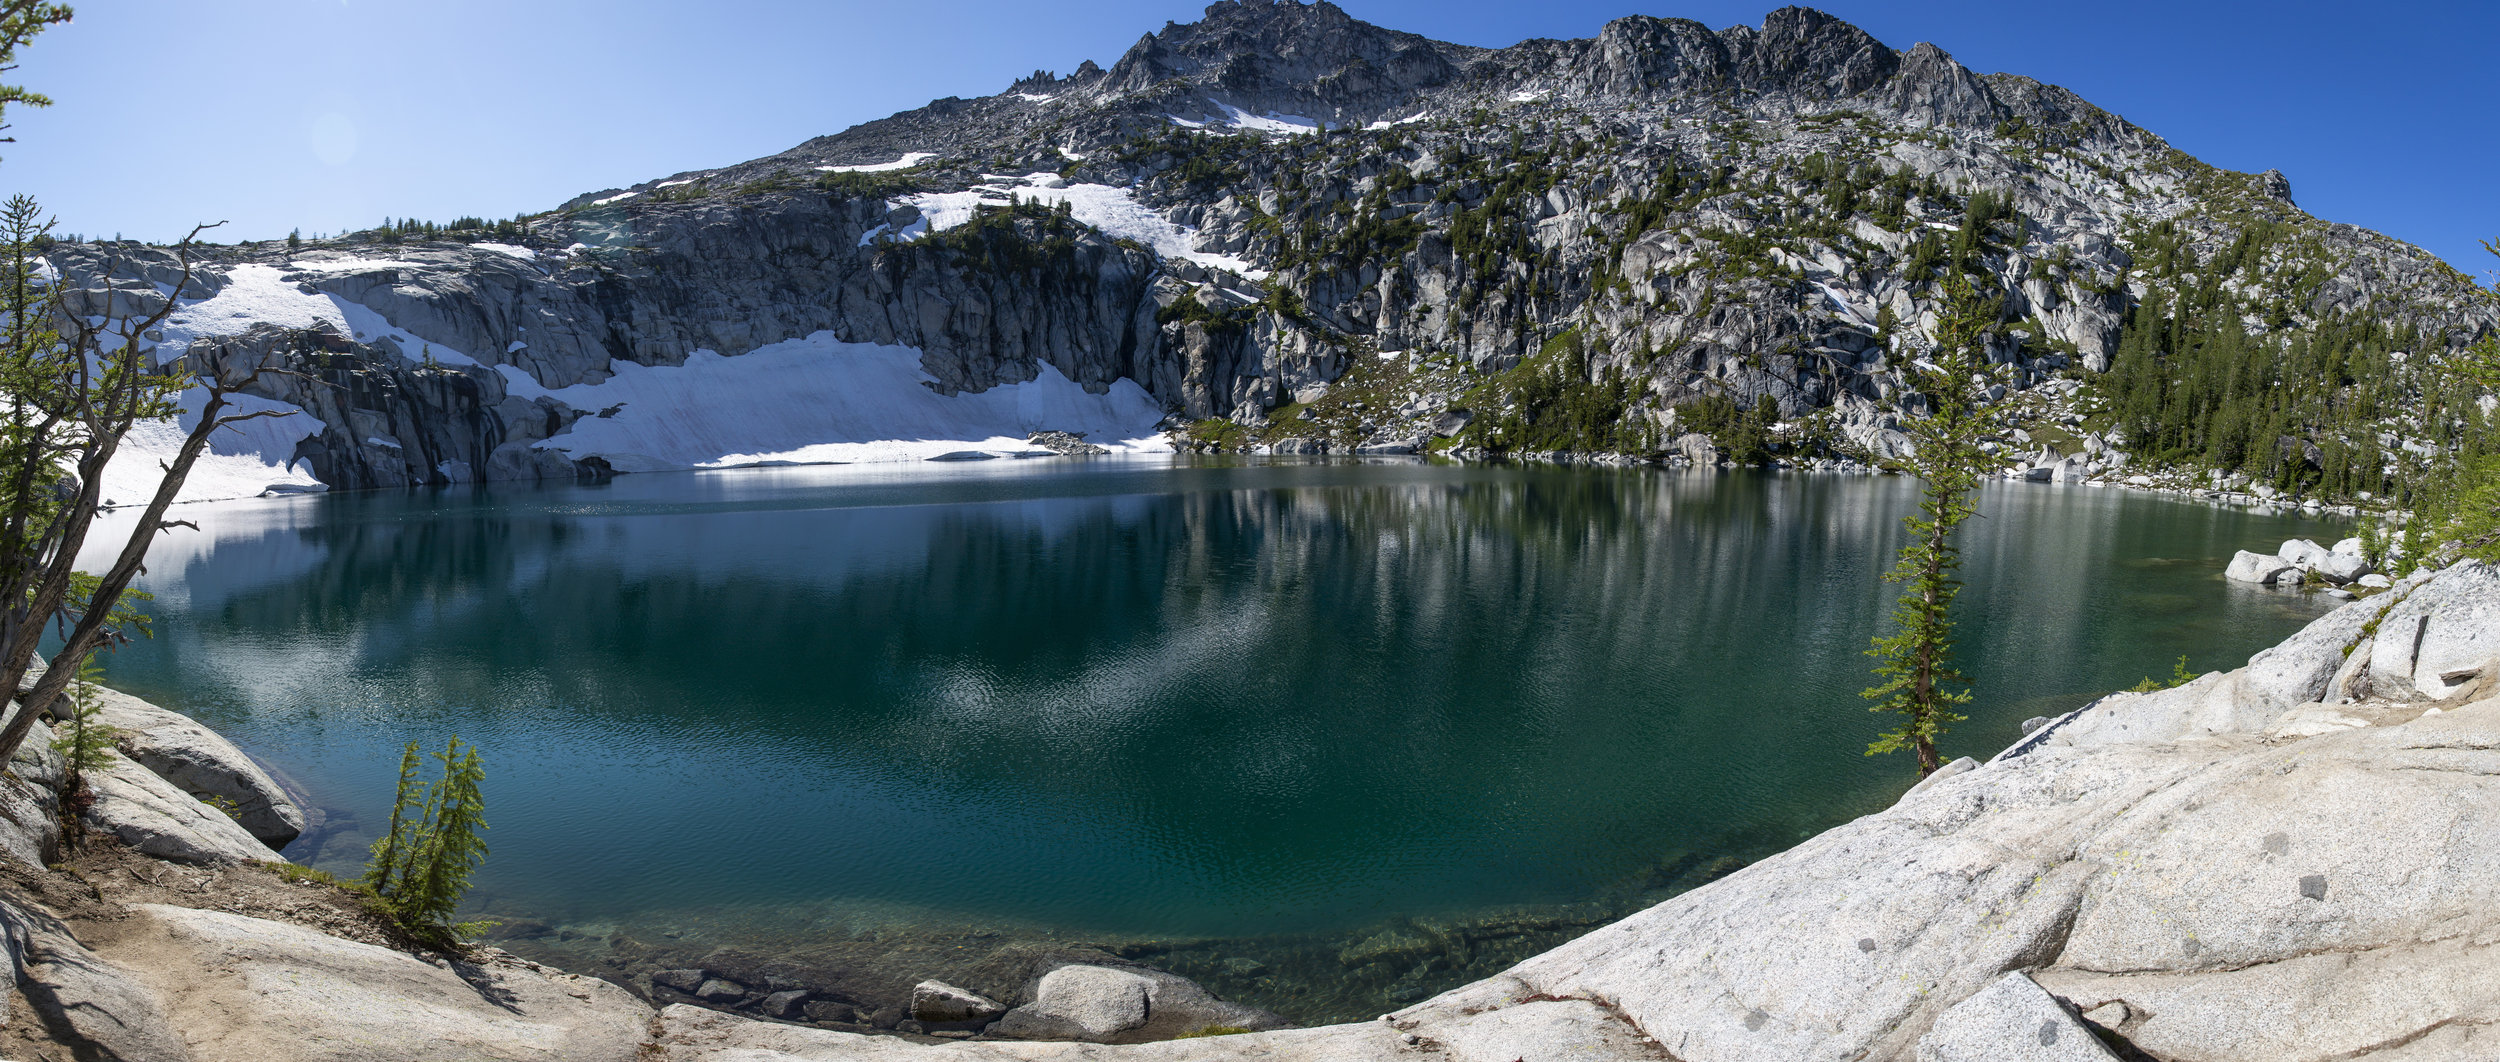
[{"x": 1137, "y": 699}]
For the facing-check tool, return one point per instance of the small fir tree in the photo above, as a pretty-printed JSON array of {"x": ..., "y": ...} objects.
[
  {"x": 422, "y": 863},
  {"x": 85, "y": 745},
  {"x": 1915, "y": 662}
]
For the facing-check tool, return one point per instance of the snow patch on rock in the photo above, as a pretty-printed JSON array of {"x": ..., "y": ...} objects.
[
  {"x": 818, "y": 400},
  {"x": 1115, "y": 212},
  {"x": 909, "y": 160}
]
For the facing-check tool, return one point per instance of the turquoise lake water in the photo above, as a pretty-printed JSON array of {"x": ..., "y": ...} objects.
[{"x": 1202, "y": 697}]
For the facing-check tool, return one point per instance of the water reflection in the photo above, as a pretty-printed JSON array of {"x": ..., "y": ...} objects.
[{"x": 1212, "y": 698}]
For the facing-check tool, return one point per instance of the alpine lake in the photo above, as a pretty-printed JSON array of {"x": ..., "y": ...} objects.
[{"x": 1326, "y": 737}]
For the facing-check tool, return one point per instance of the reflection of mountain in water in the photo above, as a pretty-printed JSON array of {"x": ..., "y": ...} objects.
[{"x": 1216, "y": 699}]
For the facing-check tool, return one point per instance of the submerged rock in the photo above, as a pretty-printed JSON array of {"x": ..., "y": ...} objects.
[{"x": 936, "y": 1002}]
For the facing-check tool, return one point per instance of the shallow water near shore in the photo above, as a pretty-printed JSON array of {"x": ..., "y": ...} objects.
[{"x": 1327, "y": 736}]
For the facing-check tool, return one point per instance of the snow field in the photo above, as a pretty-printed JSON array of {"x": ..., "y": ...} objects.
[
  {"x": 239, "y": 462},
  {"x": 1115, "y": 212},
  {"x": 819, "y": 399},
  {"x": 909, "y": 160}
]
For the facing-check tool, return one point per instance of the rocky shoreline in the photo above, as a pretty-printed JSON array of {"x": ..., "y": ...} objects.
[{"x": 2282, "y": 861}]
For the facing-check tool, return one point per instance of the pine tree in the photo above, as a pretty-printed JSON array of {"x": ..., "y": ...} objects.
[
  {"x": 295, "y": 239},
  {"x": 1915, "y": 662},
  {"x": 422, "y": 862},
  {"x": 84, "y": 744}
]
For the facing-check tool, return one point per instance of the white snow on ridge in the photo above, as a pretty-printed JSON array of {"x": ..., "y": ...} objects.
[
  {"x": 515, "y": 250},
  {"x": 253, "y": 294},
  {"x": 1270, "y": 122},
  {"x": 255, "y": 457},
  {"x": 1114, "y": 211},
  {"x": 1036, "y": 97},
  {"x": 818, "y": 399},
  {"x": 1387, "y": 124},
  {"x": 909, "y": 160},
  {"x": 238, "y": 462},
  {"x": 619, "y": 197}
]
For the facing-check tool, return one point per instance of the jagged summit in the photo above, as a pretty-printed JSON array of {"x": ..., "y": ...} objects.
[
  {"x": 1284, "y": 57},
  {"x": 1280, "y": 66}
]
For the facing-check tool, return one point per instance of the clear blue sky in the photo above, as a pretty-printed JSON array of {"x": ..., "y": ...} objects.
[{"x": 331, "y": 114}]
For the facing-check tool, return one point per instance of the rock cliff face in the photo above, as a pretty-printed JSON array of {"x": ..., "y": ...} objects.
[{"x": 1286, "y": 224}]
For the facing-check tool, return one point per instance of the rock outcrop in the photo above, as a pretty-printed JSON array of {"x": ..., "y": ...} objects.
[
  {"x": 92, "y": 1001},
  {"x": 2011, "y": 1020},
  {"x": 155, "y": 816},
  {"x": 201, "y": 762},
  {"x": 252, "y": 989}
]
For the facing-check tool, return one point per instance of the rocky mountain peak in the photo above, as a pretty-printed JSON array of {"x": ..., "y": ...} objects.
[
  {"x": 1800, "y": 49},
  {"x": 1281, "y": 57}
]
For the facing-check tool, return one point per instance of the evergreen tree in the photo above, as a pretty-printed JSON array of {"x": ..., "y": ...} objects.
[
  {"x": 1915, "y": 662},
  {"x": 421, "y": 864},
  {"x": 2463, "y": 506}
]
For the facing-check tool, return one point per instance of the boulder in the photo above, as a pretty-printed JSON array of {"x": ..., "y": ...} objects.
[
  {"x": 2343, "y": 567},
  {"x": 1080, "y": 1003},
  {"x": 829, "y": 1010},
  {"x": 2297, "y": 669},
  {"x": 2375, "y": 582},
  {"x": 1695, "y": 447},
  {"x": 685, "y": 981},
  {"x": 720, "y": 991},
  {"x": 2437, "y": 639},
  {"x": 787, "y": 1006},
  {"x": 941, "y": 1004},
  {"x": 1121, "y": 1004},
  {"x": 238, "y": 987},
  {"x": 2257, "y": 568},
  {"x": 151, "y": 815},
  {"x": 2011, "y": 1020},
  {"x": 200, "y": 762},
  {"x": 2304, "y": 554}
]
